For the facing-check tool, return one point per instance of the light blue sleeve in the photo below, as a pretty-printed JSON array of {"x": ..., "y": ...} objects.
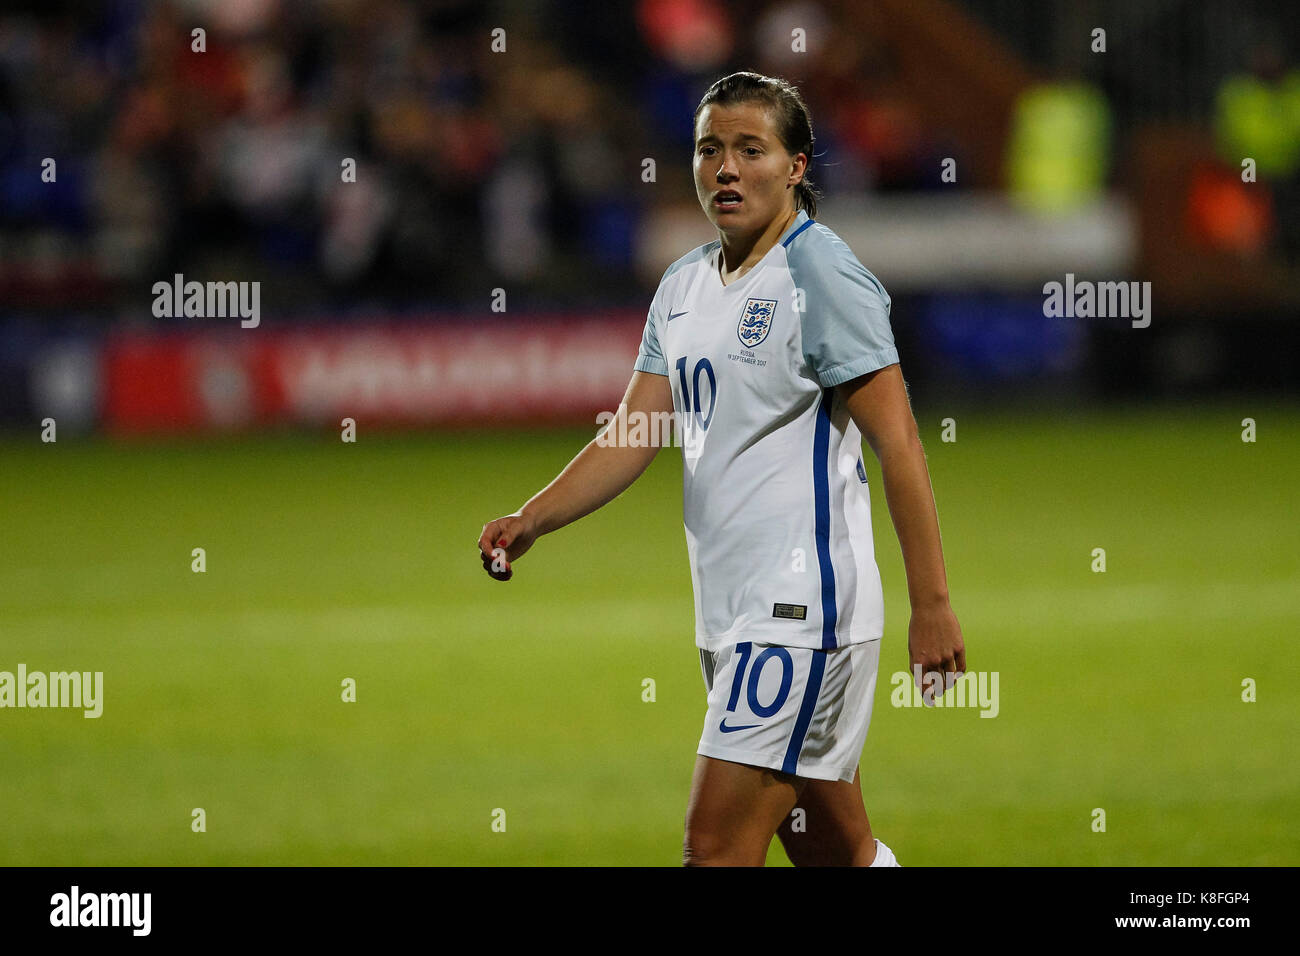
[
  {"x": 845, "y": 322},
  {"x": 650, "y": 357}
]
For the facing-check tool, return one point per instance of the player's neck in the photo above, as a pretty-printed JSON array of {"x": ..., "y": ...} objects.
[{"x": 739, "y": 254}]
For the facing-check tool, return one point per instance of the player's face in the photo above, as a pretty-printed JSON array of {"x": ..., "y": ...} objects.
[{"x": 737, "y": 152}]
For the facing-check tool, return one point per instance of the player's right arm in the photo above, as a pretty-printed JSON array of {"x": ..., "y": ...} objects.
[{"x": 597, "y": 475}]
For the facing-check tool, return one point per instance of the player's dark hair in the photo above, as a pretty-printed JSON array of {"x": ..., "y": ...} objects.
[{"x": 793, "y": 121}]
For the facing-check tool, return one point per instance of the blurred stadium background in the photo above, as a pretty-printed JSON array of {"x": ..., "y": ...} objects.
[{"x": 525, "y": 171}]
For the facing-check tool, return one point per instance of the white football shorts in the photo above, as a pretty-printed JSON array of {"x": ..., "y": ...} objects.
[{"x": 799, "y": 710}]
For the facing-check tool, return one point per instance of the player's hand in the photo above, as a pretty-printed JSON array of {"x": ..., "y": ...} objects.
[
  {"x": 503, "y": 541},
  {"x": 935, "y": 645}
]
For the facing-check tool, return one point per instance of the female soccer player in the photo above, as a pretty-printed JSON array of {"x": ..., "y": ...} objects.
[{"x": 772, "y": 347}]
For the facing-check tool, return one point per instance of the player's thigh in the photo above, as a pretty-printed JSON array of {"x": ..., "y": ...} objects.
[
  {"x": 734, "y": 810},
  {"x": 832, "y": 830}
]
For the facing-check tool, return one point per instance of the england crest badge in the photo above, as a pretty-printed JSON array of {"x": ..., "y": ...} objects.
[{"x": 755, "y": 321}]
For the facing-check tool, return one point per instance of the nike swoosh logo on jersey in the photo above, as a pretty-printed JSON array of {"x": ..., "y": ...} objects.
[
  {"x": 731, "y": 730},
  {"x": 673, "y": 315}
]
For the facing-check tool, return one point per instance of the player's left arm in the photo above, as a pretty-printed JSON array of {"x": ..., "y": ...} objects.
[{"x": 879, "y": 406}]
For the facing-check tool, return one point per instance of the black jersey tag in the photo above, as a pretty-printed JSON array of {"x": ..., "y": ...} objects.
[{"x": 794, "y": 612}]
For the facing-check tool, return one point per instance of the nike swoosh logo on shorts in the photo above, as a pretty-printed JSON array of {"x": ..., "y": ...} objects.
[
  {"x": 674, "y": 315},
  {"x": 731, "y": 730}
]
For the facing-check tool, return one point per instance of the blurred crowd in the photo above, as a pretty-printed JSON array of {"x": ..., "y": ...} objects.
[
  {"x": 225, "y": 155},
  {"x": 473, "y": 168}
]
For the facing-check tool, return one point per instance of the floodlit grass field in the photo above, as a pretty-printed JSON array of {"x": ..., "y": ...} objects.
[{"x": 326, "y": 561}]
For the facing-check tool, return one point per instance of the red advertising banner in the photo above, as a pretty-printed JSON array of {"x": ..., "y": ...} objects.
[{"x": 554, "y": 370}]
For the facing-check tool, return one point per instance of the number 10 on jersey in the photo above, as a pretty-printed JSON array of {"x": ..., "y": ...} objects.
[{"x": 694, "y": 419}]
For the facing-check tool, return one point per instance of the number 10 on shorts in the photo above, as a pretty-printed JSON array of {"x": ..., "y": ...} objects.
[{"x": 755, "y": 673}]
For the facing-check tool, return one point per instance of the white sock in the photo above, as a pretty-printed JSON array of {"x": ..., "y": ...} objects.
[{"x": 884, "y": 856}]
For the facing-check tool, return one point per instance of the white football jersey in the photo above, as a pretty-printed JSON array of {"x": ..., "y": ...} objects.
[{"x": 776, "y": 505}]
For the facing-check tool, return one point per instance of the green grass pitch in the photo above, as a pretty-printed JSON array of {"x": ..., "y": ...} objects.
[{"x": 1118, "y": 690}]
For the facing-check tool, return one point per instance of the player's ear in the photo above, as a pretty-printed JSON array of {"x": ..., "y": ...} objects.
[{"x": 797, "y": 168}]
